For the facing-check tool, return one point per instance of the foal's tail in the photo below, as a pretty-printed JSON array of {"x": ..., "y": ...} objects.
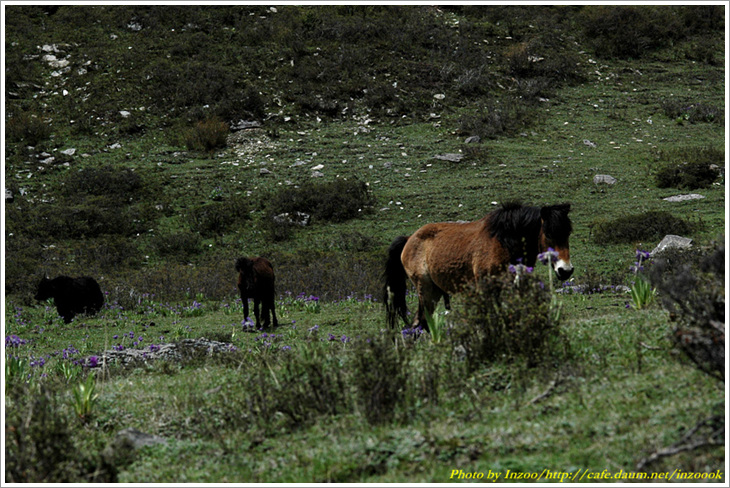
[{"x": 395, "y": 283}]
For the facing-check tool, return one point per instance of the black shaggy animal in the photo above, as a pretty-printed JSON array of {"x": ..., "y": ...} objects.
[
  {"x": 256, "y": 280},
  {"x": 71, "y": 295}
]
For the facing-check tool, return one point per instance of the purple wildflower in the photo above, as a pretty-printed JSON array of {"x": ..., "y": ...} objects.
[{"x": 548, "y": 256}]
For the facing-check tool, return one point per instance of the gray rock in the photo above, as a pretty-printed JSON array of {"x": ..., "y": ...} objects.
[
  {"x": 317, "y": 174},
  {"x": 472, "y": 140},
  {"x": 137, "y": 439},
  {"x": 69, "y": 152},
  {"x": 684, "y": 198},
  {"x": 451, "y": 157},
  {"x": 245, "y": 124},
  {"x": 605, "y": 179},
  {"x": 9, "y": 197},
  {"x": 672, "y": 242},
  {"x": 265, "y": 172},
  {"x": 295, "y": 218},
  {"x": 176, "y": 351}
]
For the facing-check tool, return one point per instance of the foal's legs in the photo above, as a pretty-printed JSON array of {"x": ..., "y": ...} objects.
[
  {"x": 256, "y": 310},
  {"x": 269, "y": 305}
]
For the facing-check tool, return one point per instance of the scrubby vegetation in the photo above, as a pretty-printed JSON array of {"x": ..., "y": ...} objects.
[
  {"x": 643, "y": 227},
  {"x": 150, "y": 146}
]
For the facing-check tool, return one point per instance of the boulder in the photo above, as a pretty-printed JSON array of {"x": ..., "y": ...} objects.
[
  {"x": 672, "y": 242},
  {"x": 451, "y": 157},
  {"x": 605, "y": 179}
]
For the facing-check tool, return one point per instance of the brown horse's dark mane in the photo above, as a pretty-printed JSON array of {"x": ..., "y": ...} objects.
[{"x": 517, "y": 227}]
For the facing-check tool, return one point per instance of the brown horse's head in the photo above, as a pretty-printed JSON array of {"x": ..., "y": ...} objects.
[{"x": 554, "y": 239}]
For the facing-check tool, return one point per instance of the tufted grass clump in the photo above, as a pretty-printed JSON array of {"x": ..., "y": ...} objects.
[{"x": 207, "y": 135}]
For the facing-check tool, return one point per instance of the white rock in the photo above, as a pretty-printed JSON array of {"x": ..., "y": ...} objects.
[{"x": 683, "y": 198}]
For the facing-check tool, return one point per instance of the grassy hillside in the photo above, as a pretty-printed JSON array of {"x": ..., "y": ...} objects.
[{"x": 126, "y": 163}]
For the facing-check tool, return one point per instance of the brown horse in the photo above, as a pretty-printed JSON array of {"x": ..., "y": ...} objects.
[
  {"x": 256, "y": 280},
  {"x": 441, "y": 258}
]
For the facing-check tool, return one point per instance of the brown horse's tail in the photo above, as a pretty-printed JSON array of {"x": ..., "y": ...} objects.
[{"x": 395, "y": 283}]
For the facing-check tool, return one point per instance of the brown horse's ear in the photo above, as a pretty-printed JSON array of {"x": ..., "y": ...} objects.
[{"x": 545, "y": 212}]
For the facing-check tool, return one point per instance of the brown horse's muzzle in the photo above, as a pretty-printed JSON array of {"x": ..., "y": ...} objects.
[{"x": 564, "y": 273}]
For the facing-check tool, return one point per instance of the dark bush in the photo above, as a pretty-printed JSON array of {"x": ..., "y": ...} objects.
[
  {"x": 335, "y": 201},
  {"x": 27, "y": 128},
  {"x": 626, "y": 31},
  {"x": 692, "y": 112},
  {"x": 498, "y": 118},
  {"x": 647, "y": 226},
  {"x": 506, "y": 321},
  {"x": 217, "y": 218},
  {"x": 179, "y": 246},
  {"x": 116, "y": 184},
  {"x": 689, "y": 167},
  {"x": 689, "y": 175},
  {"x": 692, "y": 289}
]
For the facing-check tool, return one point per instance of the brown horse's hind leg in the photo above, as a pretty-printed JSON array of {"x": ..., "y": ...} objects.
[{"x": 428, "y": 296}]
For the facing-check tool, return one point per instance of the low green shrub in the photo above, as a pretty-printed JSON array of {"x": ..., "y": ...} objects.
[
  {"x": 380, "y": 376},
  {"x": 116, "y": 183},
  {"x": 647, "y": 226},
  {"x": 504, "y": 320},
  {"x": 217, "y": 218},
  {"x": 40, "y": 445},
  {"x": 691, "y": 287},
  {"x": 334, "y": 201},
  {"x": 307, "y": 387}
]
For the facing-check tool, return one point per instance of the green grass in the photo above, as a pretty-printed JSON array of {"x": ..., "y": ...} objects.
[{"x": 621, "y": 393}]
